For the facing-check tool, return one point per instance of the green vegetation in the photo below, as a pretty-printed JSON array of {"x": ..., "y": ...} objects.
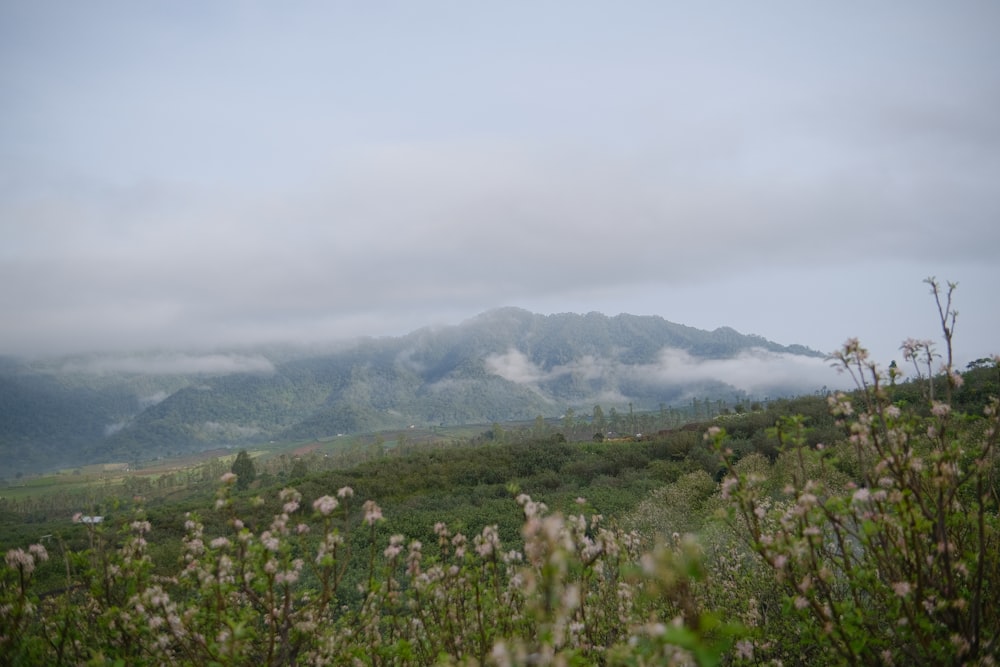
[
  {"x": 853, "y": 528},
  {"x": 67, "y": 413}
]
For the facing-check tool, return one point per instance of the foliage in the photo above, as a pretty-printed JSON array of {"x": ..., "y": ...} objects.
[
  {"x": 244, "y": 469},
  {"x": 855, "y": 528},
  {"x": 899, "y": 564},
  {"x": 577, "y": 592},
  {"x": 55, "y": 412}
]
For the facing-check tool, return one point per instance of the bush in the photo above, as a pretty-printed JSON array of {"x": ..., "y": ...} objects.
[{"x": 900, "y": 564}]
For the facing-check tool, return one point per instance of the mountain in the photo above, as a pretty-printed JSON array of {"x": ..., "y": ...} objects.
[{"x": 506, "y": 364}]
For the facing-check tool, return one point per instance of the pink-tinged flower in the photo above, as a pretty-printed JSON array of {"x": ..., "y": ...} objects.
[
  {"x": 372, "y": 511},
  {"x": 78, "y": 517},
  {"x": 289, "y": 577},
  {"x": 220, "y": 543},
  {"x": 325, "y": 505},
  {"x": 861, "y": 495},
  {"x": 22, "y": 560},
  {"x": 395, "y": 547},
  {"x": 270, "y": 542},
  {"x": 744, "y": 649},
  {"x": 39, "y": 552},
  {"x": 912, "y": 349},
  {"x": 228, "y": 478},
  {"x": 902, "y": 588},
  {"x": 801, "y": 602},
  {"x": 345, "y": 492},
  {"x": 939, "y": 409}
]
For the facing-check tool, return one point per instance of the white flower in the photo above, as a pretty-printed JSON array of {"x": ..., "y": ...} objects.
[
  {"x": 902, "y": 588},
  {"x": 373, "y": 512},
  {"x": 325, "y": 505}
]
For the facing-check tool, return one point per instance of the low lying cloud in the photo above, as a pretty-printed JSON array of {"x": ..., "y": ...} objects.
[
  {"x": 754, "y": 371},
  {"x": 174, "y": 363},
  {"x": 152, "y": 399},
  {"x": 515, "y": 366}
]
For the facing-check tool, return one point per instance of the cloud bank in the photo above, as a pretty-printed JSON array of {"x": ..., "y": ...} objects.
[
  {"x": 253, "y": 175},
  {"x": 755, "y": 371},
  {"x": 171, "y": 363}
]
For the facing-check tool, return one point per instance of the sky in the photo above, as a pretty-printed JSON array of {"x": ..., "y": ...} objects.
[{"x": 208, "y": 174}]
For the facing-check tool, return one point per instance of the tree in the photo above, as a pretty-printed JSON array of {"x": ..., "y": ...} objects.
[
  {"x": 299, "y": 469},
  {"x": 568, "y": 421},
  {"x": 598, "y": 421},
  {"x": 244, "y": 470}
]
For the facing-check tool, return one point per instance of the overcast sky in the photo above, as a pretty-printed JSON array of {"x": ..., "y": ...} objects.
[{"x": 198, "y": 174}]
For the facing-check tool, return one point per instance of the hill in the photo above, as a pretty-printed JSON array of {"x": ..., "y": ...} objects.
[{"x": 506, "y": 364}]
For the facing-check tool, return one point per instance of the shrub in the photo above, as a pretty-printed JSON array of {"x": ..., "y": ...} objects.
[{"x": 899, "y": 565}]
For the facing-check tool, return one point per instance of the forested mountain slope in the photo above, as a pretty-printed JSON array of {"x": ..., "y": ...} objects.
[{"x": 506, "y": 364}]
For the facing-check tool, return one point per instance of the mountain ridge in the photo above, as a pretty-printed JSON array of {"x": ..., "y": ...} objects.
[{"x": 501, "y": 365}]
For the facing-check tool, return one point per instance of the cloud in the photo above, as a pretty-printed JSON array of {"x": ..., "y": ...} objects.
[
  {"x": 172, "y": 363},
  {"x": 221, "y": 194},
  {"x": 515, "y": 366},
  {"x": 755, "y": 371}
]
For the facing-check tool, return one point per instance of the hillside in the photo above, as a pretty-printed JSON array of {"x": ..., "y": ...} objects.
[{"x": 506, "y": 364}]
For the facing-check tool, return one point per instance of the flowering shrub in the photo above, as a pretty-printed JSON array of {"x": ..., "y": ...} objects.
[
  {"x": 576, "y": 592},
  {"x": 898, "y": 563},
  {"x": 879, "y": 546}
]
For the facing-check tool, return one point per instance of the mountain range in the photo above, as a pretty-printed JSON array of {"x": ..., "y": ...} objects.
[{"x": 503, "y": 365}]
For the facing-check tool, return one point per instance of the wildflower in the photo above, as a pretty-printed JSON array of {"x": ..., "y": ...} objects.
[
  {"x": 395, "y": 547},
  {"x": 289, "y": 577},
  {"x": 20, "y": 559},
  {"x": 801, "y": 602},
  {"x": 325, "y": 505},
  {"x": 228, "y": 478},
  {"x": 840, "y": 405},
  {"x": 861, "y": 495},
  {"x": 39, "y": 552},
  {"x": 345, "y": 492},
  {"x": 270, "y": 542},
  {"x": 939, "y": 409},
  {"x": 901, "y": 588},
  {"x": 373, "y": 512},
  {"x": 744, "y": 649},
  {"x": 487, "y": 542}
]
